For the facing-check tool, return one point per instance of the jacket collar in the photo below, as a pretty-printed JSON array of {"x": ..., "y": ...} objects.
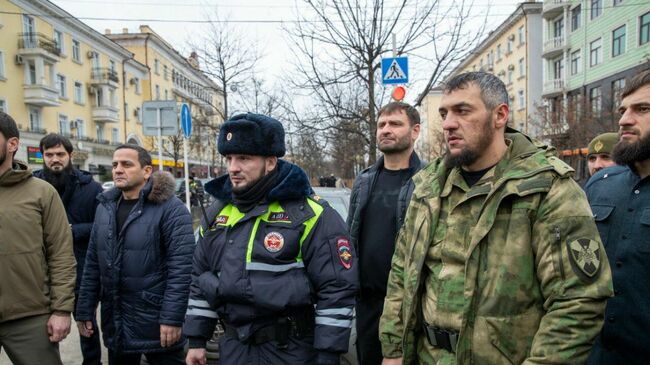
[
  {"x": 414, "y": 163},
  {"x": 80, "y": 176},
  {"x": 160, "y": 188}
]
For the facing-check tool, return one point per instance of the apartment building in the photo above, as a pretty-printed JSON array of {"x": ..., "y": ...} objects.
[
  {"x": 512, "y": 51},
  {"x": 172, "y": 76}
]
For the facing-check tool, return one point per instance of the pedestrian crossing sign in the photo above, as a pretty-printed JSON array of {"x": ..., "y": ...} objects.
[{"x": 394, "y": 70}]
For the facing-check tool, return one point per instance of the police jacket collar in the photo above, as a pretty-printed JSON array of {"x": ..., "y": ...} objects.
[{"x": 292, "y": 183}]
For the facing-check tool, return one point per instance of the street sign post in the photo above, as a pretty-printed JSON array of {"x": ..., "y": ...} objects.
[
  {"x": 394, "y": 70},
  {"x": 159, "y": 118},
  {"x": 186, "y": 123}
]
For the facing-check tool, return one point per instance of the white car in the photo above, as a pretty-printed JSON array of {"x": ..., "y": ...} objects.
[{"x": 108, "y": 185}]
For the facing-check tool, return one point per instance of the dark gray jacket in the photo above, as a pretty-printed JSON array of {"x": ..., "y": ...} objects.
[{"x": 363, "y": 186}]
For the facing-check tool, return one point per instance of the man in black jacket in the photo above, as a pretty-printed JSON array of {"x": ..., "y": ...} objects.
[
  {"x": 377, "y": 206},
  {"x": 78, "y": 191},
  {"x": 274, "y": 264}
]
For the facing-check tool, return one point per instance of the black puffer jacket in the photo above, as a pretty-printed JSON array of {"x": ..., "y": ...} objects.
[{"x": 141, "y": 274}]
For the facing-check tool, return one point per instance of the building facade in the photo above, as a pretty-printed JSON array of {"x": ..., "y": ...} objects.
[
  {"x": 512, "y": 52},
  {"x": 591, "y": 47}
]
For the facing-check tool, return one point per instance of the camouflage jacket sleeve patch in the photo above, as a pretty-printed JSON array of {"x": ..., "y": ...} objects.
[{"x": 585, "y": 257}]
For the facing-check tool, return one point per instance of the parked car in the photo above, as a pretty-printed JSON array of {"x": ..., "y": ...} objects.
[
  {"x": 108, "y": 185},
  {"x": 180, "y": 190}
]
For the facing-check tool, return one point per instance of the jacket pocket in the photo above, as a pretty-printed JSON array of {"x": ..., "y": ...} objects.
[
  {"x": 644, "y": 235},
  {"x": 601, "y": 216},
  {"x": 512, "y": 337},
  {"x": 152, "y": 298}
]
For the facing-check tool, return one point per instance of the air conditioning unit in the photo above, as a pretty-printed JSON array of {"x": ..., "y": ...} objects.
[
  {"x": 73, "y": 124},
  {"x": 91, "y": 90},
  {"x": 136, "y": 112},
  {"x": 19, "y": 60},
  {"x": 90, "y": 54},
  {"x": 132, "y": 81}
]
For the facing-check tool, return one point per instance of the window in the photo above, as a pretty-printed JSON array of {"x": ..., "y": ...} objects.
[
  {"x": 157, "y": 92},
  {"x": 2, "y": 65},
  {"x": 510, "y": 72},
  {"x": 81, "y": 129},
  {"x": 31, "y": 69},
  {"x": 595, "y": 49},
  {"x": 156, "y": 66},
  {"x": 111, "y": 64},
  {"x": 498, "y": 52},
  {"x": 575, "y": 62},
  {"x": 99, "y": 97},
  {"x": 64, "y": 125},
  {"x": 114, "y": 137},
  {"x": 618, "y": 41},
  {"x": 100, "y": 133},
  {"x": 76, "y": 50},
  {"x": 558, "y": 27},
  {"x": 137, "y": 114},
  {"x": 522, "y": 67},
  {"x": 3, "y": 106},
  {"x": 521, "y": 35},
  {"x": 558, "y": 69},
  {"x": 126, "y": 111},
  {"x": 95, "y": 60},
  {"x": 58, "y": 40},
  {"x": 34, "y": 120},
  {"x": 490, "y": 59},
  {"x": 29, "y": 28},
  {"x": 617, "y": 90},
  {"x": 166, "y": 95},
  {"x": 78, "y": 92},
  {"x": 165, "y": 72},
  {"x": 112, "y": 99},
  {"x": 617, "y": 2},
  {"x": 644, "y": 28},
  {"x": 136, "y": 82},
  {"x": 509, "y": 45},
  {"x": 60, "y": 85},
  {"x": 595, "y": 100},
  {"x": 596, "y": 8},
  {"x": 576, "y": 17}
]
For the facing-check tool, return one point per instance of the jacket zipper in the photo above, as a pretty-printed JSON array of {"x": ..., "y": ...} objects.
[{"x": 558, "y": 241}]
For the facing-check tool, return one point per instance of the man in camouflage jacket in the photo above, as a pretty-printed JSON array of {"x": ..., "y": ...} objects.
[{"x": 503, "y": 268}]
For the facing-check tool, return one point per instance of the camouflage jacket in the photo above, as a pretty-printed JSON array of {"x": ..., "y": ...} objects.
[{"x": 536, "y": 275}]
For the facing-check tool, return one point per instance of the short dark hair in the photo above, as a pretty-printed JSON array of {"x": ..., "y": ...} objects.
[
  {"x": 392, "y": 107},
  {"x": 143, "y": 155},
  {"x": 636, "y": 83},
  {"x": 8, "y": 126},
  {"x": 53, "y": 140},
  {"x": 493, "y": 90}
]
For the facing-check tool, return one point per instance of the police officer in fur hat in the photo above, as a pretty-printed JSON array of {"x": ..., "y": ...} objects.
[
  {"x": 600, "y": 149},
  {"x": 273, "y": 264}
]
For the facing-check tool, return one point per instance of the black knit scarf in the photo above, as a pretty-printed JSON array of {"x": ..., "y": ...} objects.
[{"x": 247, "y": 199}]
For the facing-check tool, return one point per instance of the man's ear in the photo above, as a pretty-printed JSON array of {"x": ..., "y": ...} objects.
[
  {"x": 148, "y": 170},
  {"x": 501, "y": 114},
  {"x": 270, "y": 163}
]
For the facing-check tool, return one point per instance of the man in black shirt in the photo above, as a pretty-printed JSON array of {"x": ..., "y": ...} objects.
[{"x": 379, "y": 199}]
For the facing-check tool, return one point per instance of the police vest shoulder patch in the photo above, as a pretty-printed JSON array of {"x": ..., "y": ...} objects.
[
  {"x": 279, "y": 217},
  {"x": 585, "y": 258},
  {"x": 344, "y": 251},
  {"x": 273, "y": 242}
]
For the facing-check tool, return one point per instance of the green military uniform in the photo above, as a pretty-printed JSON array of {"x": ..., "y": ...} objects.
[{"x": 514, "y": 263}]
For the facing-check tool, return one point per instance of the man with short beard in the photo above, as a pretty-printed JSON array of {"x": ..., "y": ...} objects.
[
  {"x": 78, "y": 191},
  {"x": 620, "y": 200},
  {"x": 37, "y": 273},
  {"x": 484, "y": 270},
  {"x": 274, "y": 263},
  {"x": 378, "y": 203}
]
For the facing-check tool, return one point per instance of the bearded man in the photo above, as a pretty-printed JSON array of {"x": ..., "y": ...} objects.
[
  {"x": 620, "y": 200},
  {"x": 484, "y": 270},
  {"x": 78, "y": 191}
]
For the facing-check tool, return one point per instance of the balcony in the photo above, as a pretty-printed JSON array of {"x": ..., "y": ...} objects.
[
  {"x": 106, "y": 114},
  {"x": 553, "y": 8},
  {"x": 37, "y": 44},
  {"x": 553, "y": 47},
  {"x": 104, "y": 76},
  {"x": 553, "y": 88},
  {"x": 41, "y": 95}
]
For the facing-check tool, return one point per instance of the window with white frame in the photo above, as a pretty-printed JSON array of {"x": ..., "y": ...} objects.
[
  {"x": 35, "y": 120},
  {"x": 157, "y": 92},
  {"x": 64, "y": 125},
  {"x": 166, "y": 94},
  {"x": 165, "y": 72},
  {"x": 522, "y": 35},
  {"x": 114, "y": 135},
  {"x": 2, "y": 65},
  {"x": 509, "y": 44},
  {"x": 644, "y": 28},
  {"x": 156, "y": 66},
  {"x": 78, "y": 92},
  {"x": 81, "y": 129},
  {"x": 595, "y": 52},
  {"x": 510, "y": 72},
  {"x": 596, "y": 8},
  {"x": 498, "y": 52},
  {"x": 100, "y": 133},
  {"x": 595, "y": 100},
  {"x": 76, "y": 50},
  {"x": 576, "y": 17},
  {"x": 136, "y": 82},
  {"x": 576, "y": 63},
  {"x": 112, "y": 99},
  {"x": 521, "y": 99},
  {"x": 617, "y": 91},
  {"x": 31, "y": 73},
  {"x": 3, "y": 106},
  {"x": 111, "y": 65},
  {"x": 522, "y": 67},
  {"x": 618, "y": 41},
  {"x": 60, "y": 86},
  {"x": 58, "y": 40}
]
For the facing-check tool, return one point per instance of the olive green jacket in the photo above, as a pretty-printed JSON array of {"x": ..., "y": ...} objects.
[{"x": 528, "y": 299}]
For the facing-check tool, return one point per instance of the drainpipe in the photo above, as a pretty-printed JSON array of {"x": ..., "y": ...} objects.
[{"x": 124, "y": 83}]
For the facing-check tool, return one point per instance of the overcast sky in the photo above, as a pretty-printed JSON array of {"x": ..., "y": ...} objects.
[{"x": 178, "y": 21}]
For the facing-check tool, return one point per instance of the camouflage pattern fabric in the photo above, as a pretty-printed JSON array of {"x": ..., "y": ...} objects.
[{"x": 499, "y": 267}]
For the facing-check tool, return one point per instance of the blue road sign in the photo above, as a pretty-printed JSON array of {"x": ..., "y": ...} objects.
[
  {"x": 395, "y": 70},
  {"x": 186, "y": 120}
]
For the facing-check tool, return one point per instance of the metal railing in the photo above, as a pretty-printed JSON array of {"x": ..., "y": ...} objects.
[
  {"x": 38, "y": 40},
  {"x": 103, "y": 74}
]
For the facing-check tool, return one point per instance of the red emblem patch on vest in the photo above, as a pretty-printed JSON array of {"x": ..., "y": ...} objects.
[
  {"x": 279, "y": 217},
  {"x": 344, "y": 251},
  {"x": 222, "y": 219},
  {"x": 273, "y": 242}
]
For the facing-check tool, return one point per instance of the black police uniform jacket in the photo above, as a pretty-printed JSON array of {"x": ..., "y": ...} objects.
[
  {"x": 141, "y": 274},
  {"x": 288, "y": 253}
]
